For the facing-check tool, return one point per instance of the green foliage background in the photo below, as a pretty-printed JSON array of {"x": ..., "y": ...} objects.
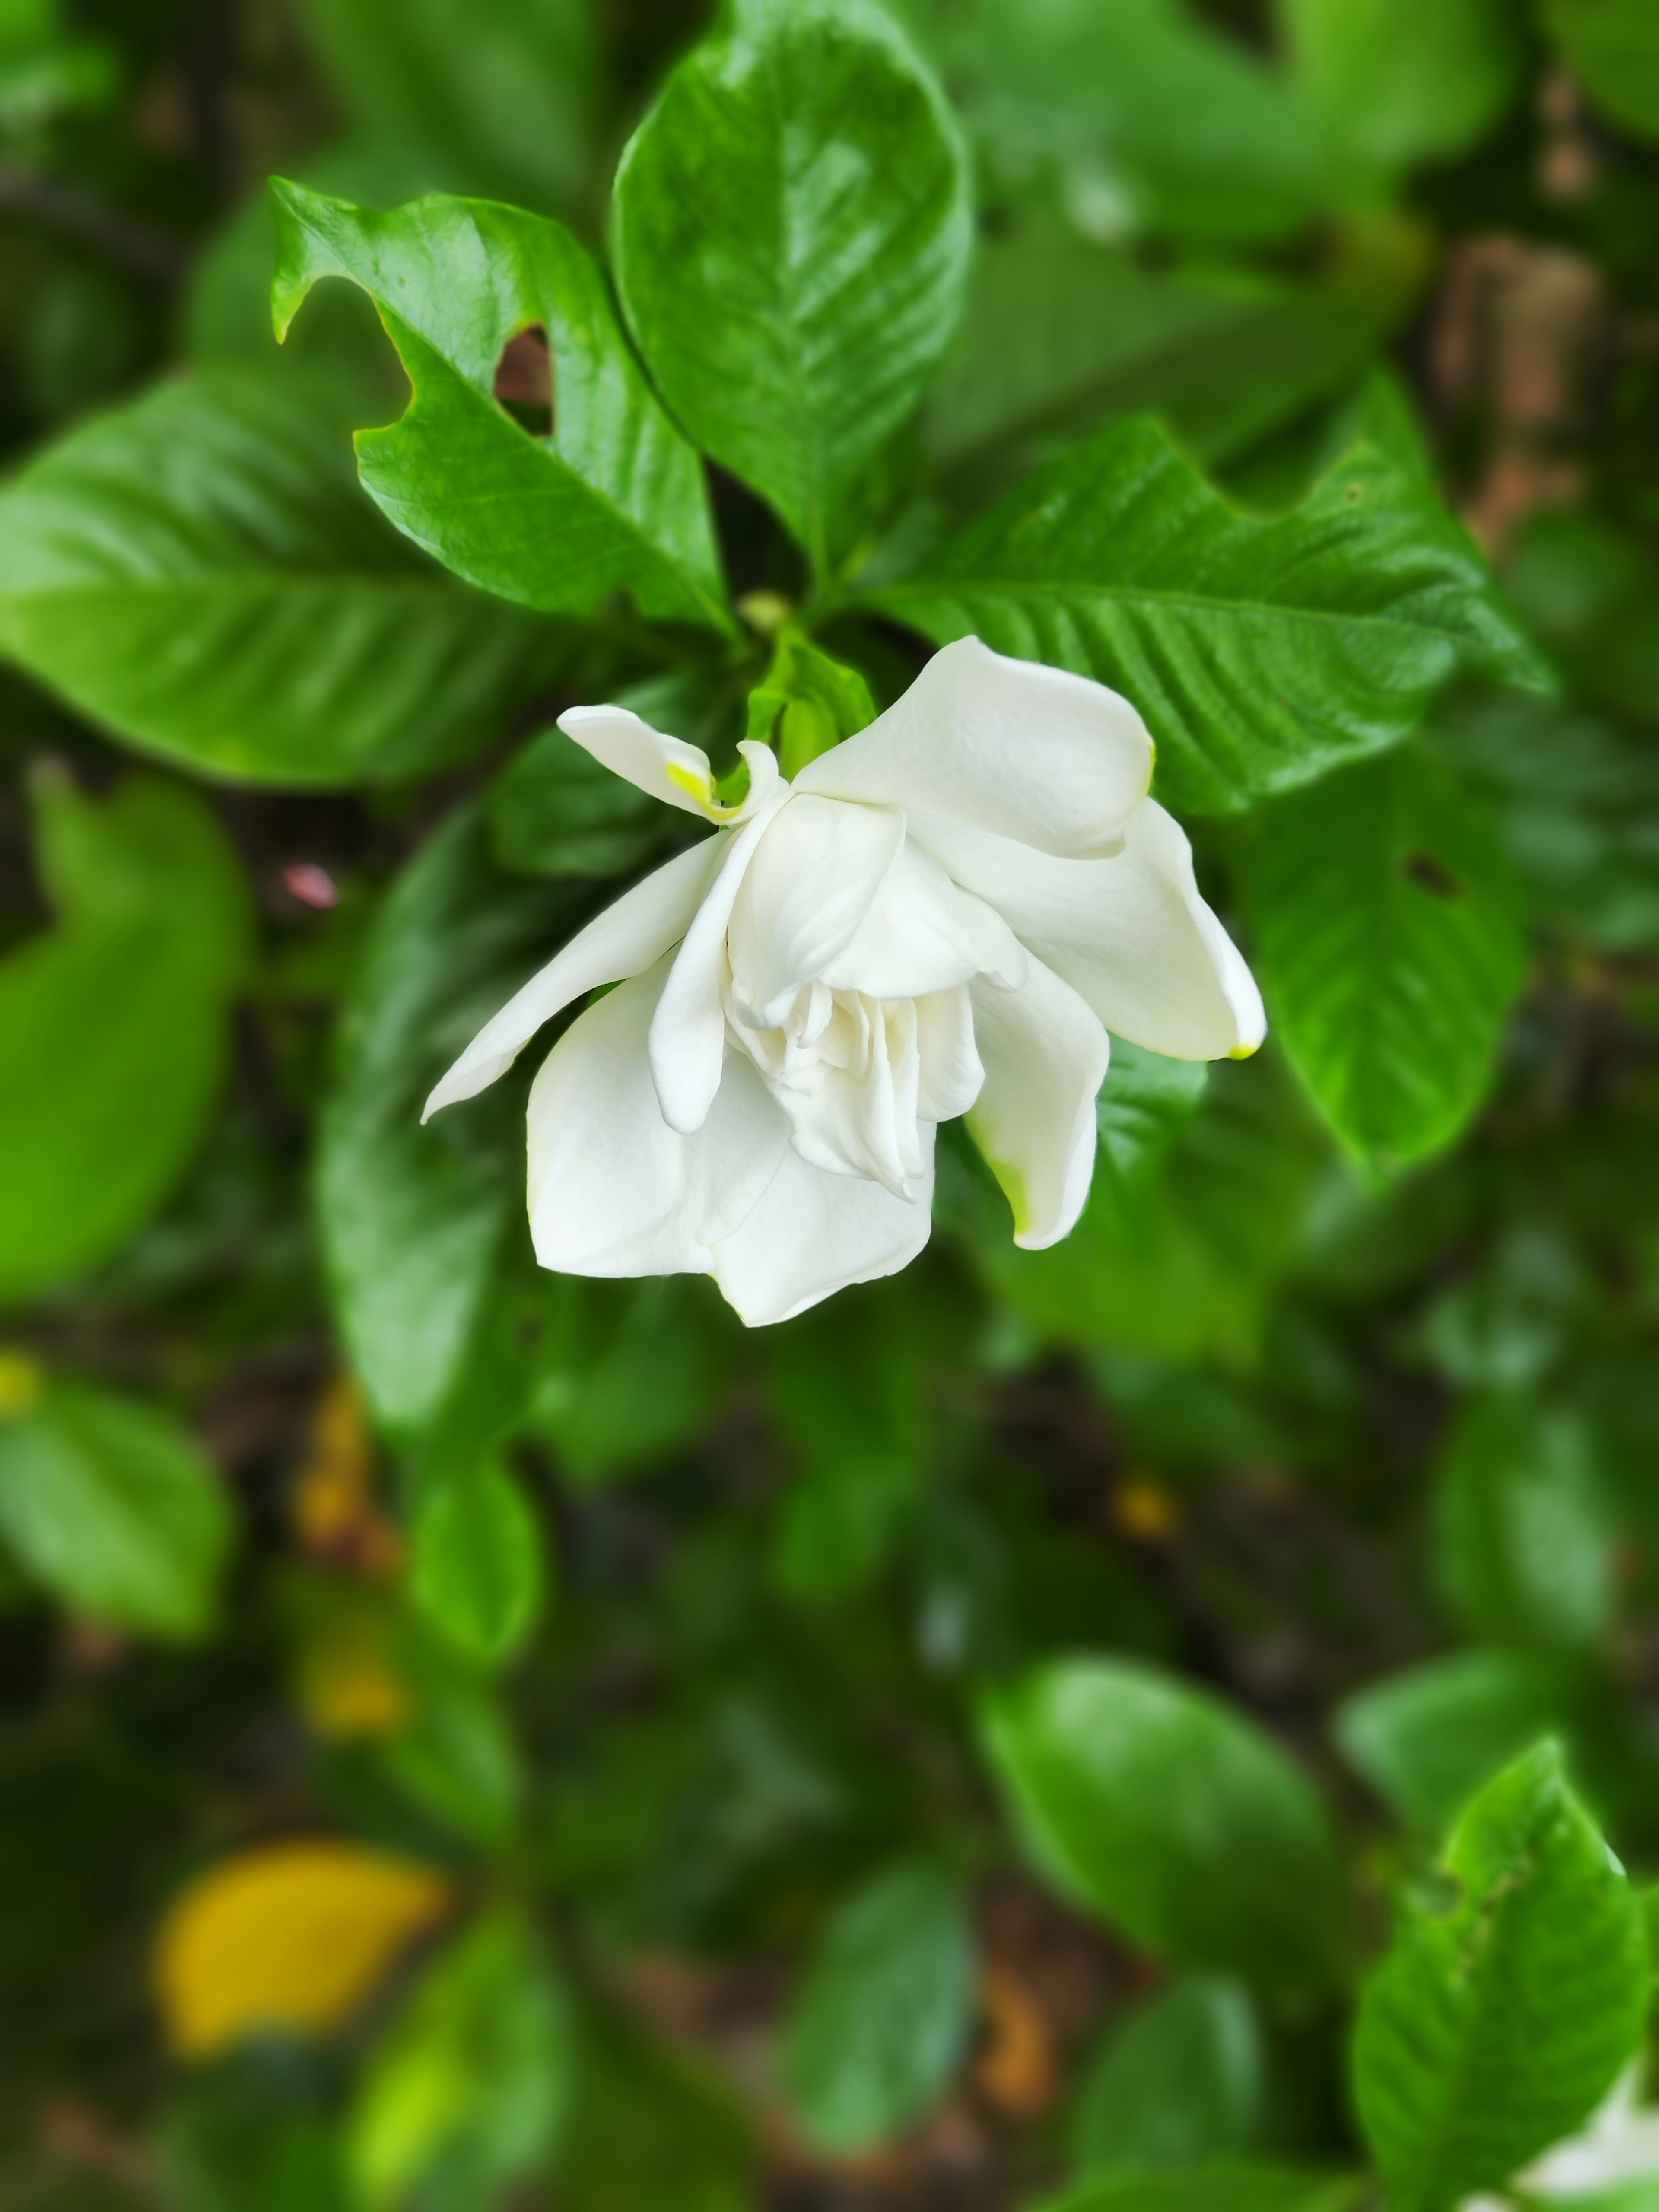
[{"x": 1163, "y": 1723}]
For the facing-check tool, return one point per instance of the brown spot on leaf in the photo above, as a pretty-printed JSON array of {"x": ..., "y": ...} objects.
[{"x": 1423, "y": 868}]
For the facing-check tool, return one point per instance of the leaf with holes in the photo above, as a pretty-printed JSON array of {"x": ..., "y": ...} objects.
[
  {"x": 1502, "y": 2015},
  {"x": 614, "y": 501},
  {"x": 1263, "y": 653},
  {"x": 198, "y": 572},
  {"x": 792, "y": 231},
  {"x": 1387, "y": 920}
]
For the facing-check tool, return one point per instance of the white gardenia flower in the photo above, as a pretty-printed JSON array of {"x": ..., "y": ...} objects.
[{"x": 945, "y": 914}]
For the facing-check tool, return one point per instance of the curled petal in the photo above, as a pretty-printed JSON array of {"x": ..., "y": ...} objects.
[
  {"x": 1131, "y": 934},
  {"x": 952, "y": 1073},
  {"x": 920, "y": 933},
  {"x": 1045, "y": 1057},
  {"x": 814, "y": 877},
  {"x": 1027, "y": 752},
  {"x": 628, "y": 937},
  {"x": 667, "y": 767},
  {"x": 811, "y": 1234},
  {"x": 613, "y": 1189}
]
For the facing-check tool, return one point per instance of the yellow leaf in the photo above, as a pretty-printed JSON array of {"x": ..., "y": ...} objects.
[{"x": 292, "y": 1937}]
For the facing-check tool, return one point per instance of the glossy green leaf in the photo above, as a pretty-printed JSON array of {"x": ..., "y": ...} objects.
[
  {"x": 1388, "y": 922},
  {"x": 1178, "y": 2079},
  {"x": 465, "y": 2096},
  {"x": 1523, "y": 1537},
  {"x": 1176, "y": 1819},
  {"x": 1427, "y": 1739},
  {"x": 1612, "y": 46},
  {"x": 614, "y": 501},
  {"x": 1062, "y": 336},
  {"x": 111, "y": 1505},
  {"x": 115, "y": 1023},
  {"x": 414, "y": 1220},
  {"x": 491, "y": 96},
  {"x": 1228, "y": 2186},
  {"x": 476, "y": 1570},
  {"x": 1506, "y": 2008},
  {"x": 882, "y": 2020},
  {"x": 793, "y": 232},
  {"x": 198, "y": 573},
  {"x": 1262, "y": 653},
  {"x": 1399, "y": 81}
]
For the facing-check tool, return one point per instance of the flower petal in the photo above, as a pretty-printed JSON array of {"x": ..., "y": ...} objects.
[
  {"x": 811, "y": 1234},
  {"x": 1011, "y": 746},
  {"x": 952, "y": 1073},
  {"x": 920, "y": 933},
  {"x": 1045, "y": 1057},
  {"x": 688, "y": 1030},
  {"x": 1131, "y": 934},
  {"x": 667, "y": 767},
  {"x": 613, "y": 1189},
  {"x": 627, "y": 937},
  {"x": 814, "y": 877}
]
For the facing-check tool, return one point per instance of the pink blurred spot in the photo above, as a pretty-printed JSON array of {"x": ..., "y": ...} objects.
[{"x": 310, "y": 884}]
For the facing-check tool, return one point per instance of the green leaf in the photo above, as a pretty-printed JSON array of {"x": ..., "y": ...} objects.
[
  {"x": 1179, "y": 2079},
  {"x": 1612, "y": 46},
  {"x": 476, "y": 1570},
  {"x": 458, "y": 1761},
  {"x": 1145, "y": 1103},
  {"x": 1262, "y": 653},
  {"x": 114, "y": 1024},
  {"x": 1399, "y": 81},
  {"x": 1590, "y": 593},
  {"x": 495, "y": 97},
  {"x": 1062, "y": 336},
  {"x": 198, "y": 573},
  {"x": 1504, "y": 2014},
  {"x": 650, "y": 2130},
  {"x": 414, "y": 1220},
  {"x": 1427, "y": 1739},
  {"x": 1388, "y": 921},
  {"x": 882, "y": 2020},
  {"x": 792, "y": 230},
  {"x": 1229, "y": 2185},
  {"x": 557, "y": 812},
  {"x": 465, "y": 2096},
  {"x": 632, "y": 1372},
  {"x": 111, "y": 1505},
  {"x": 808, "y": 703},
  {"x": 614, "y": 501},
  {"x": 1176, "y": 1819},
  {"x": 1523, "y": 1539}
]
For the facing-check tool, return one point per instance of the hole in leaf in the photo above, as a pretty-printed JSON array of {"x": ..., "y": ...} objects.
[
  {"x": 1423, "y": 868},
  {"x": 524, "y": 380}
]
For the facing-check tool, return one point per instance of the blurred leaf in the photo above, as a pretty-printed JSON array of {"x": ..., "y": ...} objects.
[
  {"x": 458, "y": 1761},
  {"x": 1399, "y": 81},
  {"x": 114, "y": 1024},
  {"x": 1523, "y": 1542},
  {"x": 1150, "y": 114},
  {"x": 614, "y": 501},
  {"x": 1502, "y": 2015},
  {"x": 414, "y": 1219},
  {"x": 1144, "y": 1103},
  {"x": 631, "y": 1371},
  {"x": 498, "y": 97},
  {"x": 1612, "y": 46},
  {"x": 292, "y": 1938},
  {"x": 1227, "y": 2186},
  {"x": 792, "y": 231},
  {"x": 1391, "y": 950},
  {"x": 466, "y": 2094},
  {"x": 881, "y": 2022},
  {"x": 198, "y": 572},
  {"x": 1062, "y": 336},
  {"x": 1174, "y": 1819},
  {"x": 476, "y": 1570},
  {"x": 1590, "y": 592},
  {"x": 111, "y": 1505},
  {"x": 557, "y": 812},
  {"x": 1427, "y": 1739},
  {"x": 1507, "y": 1325},
  {"x": 1579, "y": 799},
  {"x": 1262, "y": 653},
  {"x": 1177, "y": 2080},
  {"x": 650, "y": 2130},
  {"x": 249, "y": 2134}
]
